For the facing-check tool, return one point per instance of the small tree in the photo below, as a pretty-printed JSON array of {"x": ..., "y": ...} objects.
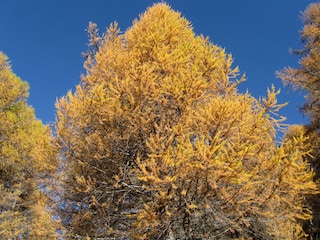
[
  {"x": 306, "y": 77},
  {"x": 25, "y": 153},
  {"x": 158, "y": 143}
]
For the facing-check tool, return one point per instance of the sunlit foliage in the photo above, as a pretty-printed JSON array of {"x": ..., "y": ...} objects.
[
  {"x": 156, "y": 142},
  {"x": 25, "y": 150},
  {"x": 306, "y": 77}
]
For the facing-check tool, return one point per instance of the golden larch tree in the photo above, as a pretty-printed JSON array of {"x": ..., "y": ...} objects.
[
  {"x": 306, "y": 77},
  {"x": 157, "y": 143},
  {"x": 26, "y": 155}
]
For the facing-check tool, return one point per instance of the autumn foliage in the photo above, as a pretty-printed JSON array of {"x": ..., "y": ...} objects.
[
  {"x": 306, "y": 78},
  {"x": 157, "y": 143},
  {"x": 26, "y": 154}
]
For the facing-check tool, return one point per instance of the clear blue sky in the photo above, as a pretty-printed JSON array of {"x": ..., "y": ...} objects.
[{"x": 44, "y": 40}]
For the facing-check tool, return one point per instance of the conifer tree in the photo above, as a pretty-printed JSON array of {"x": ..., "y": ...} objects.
[
  {"x": 25, "y": 155},
  {"x": 306, "y": 77},
  {"x": 157, "y": 143}
]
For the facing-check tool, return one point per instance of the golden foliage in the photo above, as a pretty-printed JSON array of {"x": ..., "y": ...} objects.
[
  {"x": 158, "y": 143},
  {"x": 25, "y": 153},
  {"x": 306, "y": 77}
]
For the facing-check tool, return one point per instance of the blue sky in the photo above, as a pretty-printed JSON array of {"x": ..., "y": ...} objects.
[{"x": 44, "y": 40}]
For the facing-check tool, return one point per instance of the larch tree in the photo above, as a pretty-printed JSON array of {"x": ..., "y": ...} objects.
[
  {"x": 306, "y": 77},
  {"x": 157, "y": 143},
  {"x": 26, "y": 155}
]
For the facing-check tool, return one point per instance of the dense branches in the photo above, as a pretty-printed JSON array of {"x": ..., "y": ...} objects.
[
  {"x": 156, "y": 142},
  {"x": 307, "y": 78},
  {"x": 25, "y": 154}
]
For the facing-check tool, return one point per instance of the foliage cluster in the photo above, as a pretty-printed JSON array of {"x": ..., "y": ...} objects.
[
  {"x": 307, "y": 78},
  {"x": 25, "y": 154},
  {"x": 157, "y": 143}
]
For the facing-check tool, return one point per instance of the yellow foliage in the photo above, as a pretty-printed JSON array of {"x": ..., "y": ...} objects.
[
  {"x": 26, "y": 152},
  {"x": 174, "y": 149},
  {"x": 306, "y": 77}
]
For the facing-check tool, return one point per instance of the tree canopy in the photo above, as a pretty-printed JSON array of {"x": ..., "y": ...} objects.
[
  {"x": 306, "y": 77},
  {"x": 26, "y": 153},
  {"x": 156, "y": 142}
]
